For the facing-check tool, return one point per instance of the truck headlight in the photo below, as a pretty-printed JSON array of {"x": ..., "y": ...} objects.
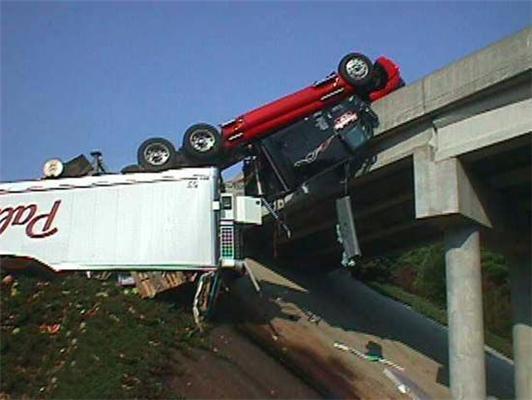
[{"x": 53, "y": 168}]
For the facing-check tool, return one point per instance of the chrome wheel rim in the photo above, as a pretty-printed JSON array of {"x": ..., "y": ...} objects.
[
  {"x": 157, "y": 154},
  {"x": 357, "y": 68},
  {"x": 202, "y": 141}
]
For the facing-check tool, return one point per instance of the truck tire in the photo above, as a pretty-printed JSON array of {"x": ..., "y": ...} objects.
[
  {"x": 156, "y": 154},
  {"x": 356, "y": 69},
  {"x": 202, "y": 142},
  {"x": 131, "y": 169}
]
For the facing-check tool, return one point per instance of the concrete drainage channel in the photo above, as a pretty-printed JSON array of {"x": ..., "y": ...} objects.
[{"x": 300, "y": 317}]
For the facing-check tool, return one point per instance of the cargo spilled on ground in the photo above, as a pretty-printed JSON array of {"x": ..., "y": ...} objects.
[{"x": 73, "y": 337}]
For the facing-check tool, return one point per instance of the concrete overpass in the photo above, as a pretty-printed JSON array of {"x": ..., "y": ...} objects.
[{"x": 451, "y": 159}]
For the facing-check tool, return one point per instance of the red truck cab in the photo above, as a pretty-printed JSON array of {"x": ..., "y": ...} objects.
[
  {"x": 205, "y": 144},
  {"x": 260, "y": 122}
]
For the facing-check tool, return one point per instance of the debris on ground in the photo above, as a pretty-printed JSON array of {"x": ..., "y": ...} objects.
[
  {"x": 50, "y": 329},
  {"x": 367, "y": 357},
  {"x": 8, "y": 280},
  {"x": 406, "y": 386},
  {"x": 311, "y": 317},
  {"x": 79, "y": 338},
  {"x": 58, "y": 340},
  {"x": 151, "y": 283},
  {"x": 125, "y": 280},
  {"x": 102, "y": 276}
]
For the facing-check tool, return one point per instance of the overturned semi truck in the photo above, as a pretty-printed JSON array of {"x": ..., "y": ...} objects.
[{"x": 177, "y": 220}]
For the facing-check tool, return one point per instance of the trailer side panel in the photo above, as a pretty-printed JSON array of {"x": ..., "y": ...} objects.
[{"x": 137, "y": 221}]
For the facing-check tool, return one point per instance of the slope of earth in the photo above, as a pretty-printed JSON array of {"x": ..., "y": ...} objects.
[
  {"x": 71, "y": 337},
  {"x": 300, "y": 316},
  {"x": 301, "y": 325},
  {"x": 235, "y": 368}
]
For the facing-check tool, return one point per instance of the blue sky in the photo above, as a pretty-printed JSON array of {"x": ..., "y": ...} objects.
[{"x": 79, "y": 76}]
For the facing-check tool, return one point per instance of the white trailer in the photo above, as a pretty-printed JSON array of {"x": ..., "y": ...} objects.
[
  {"x": 177, "y": 220},
  {"x": 145, "y": 221}
]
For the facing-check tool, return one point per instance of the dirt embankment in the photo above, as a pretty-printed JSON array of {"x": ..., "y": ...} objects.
[
  {"x": 299, "y": 321},
  {"x": 71, "y": 337},
  {"x": 235, "y": 368}
]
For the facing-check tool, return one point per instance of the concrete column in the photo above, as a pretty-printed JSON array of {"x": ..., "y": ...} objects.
[
  {"x": 464, "y": 309},
  {"x": 521, "y": 282}
]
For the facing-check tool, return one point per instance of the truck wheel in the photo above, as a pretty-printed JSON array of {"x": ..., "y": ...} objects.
[
  {"x": 356, "y": 69},
  {"x": 202, "y": 142},
  {"x": 131, "y": 169},
  {"x": 156, "y": 154}
]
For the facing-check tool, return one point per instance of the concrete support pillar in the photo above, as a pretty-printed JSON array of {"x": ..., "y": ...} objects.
[
  {"x": 521, "y": 282},
  {"x": 464, "y": 309}
]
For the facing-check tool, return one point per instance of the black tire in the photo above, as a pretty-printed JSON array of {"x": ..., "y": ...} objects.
[
  {"x": 156, "y": 154},
  {"x": 356, "y": 69},
  {"x": 131, "y": 169},
  {"x": 202, "y": 142}
]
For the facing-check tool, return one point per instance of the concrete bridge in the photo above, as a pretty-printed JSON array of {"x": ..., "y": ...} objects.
[{"x": 451, "y": 160}]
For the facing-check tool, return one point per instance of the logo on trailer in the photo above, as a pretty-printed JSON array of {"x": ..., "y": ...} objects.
[{"x": 38, "y": 226}]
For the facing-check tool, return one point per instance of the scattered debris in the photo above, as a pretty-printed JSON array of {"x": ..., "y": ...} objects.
[
  {"x": 202, "y": 297},
  {"x": 8, "y": 280},
  {"x": 125, "y": 280},
  {"x": 151, "y": 283},
  {"x": 371, "y": 358},
  {"x": 92, "y": 312},
  {"x": 102, "y": 276},
  {"x": 312, "y": 317},
  {"x": 51, "y": 329},
  {"x": 60, "y": 326},
  {"x": 406, "y": 386}
]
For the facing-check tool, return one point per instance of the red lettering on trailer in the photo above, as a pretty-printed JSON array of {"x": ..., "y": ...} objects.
[
  {"x": 5, "y": 218},
  {"x": 18, "y": 213},
  {"x": 37, "y": 226}
]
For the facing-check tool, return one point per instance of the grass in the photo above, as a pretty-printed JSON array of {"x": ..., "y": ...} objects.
[
  {"x": 436, "y": 313},
  {"x": 110, "y": 344}
]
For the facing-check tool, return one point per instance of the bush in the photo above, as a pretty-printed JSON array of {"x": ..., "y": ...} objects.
[
  {"x": 422, "y": 272},
  {"x": 375, "y": 270},
  {"x": 430, "y": 281}
]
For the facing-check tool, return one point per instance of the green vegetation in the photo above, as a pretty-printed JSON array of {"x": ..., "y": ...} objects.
[
  {"x": 77, "y": 338},
  {"x": 417, "y": 278}
]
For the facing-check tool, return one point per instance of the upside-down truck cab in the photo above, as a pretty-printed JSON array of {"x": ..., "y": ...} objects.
[
  {"x": 176, "y": 220},
  {"x": 204, "y": 144},
  {"x": 258, "y": 123}
]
